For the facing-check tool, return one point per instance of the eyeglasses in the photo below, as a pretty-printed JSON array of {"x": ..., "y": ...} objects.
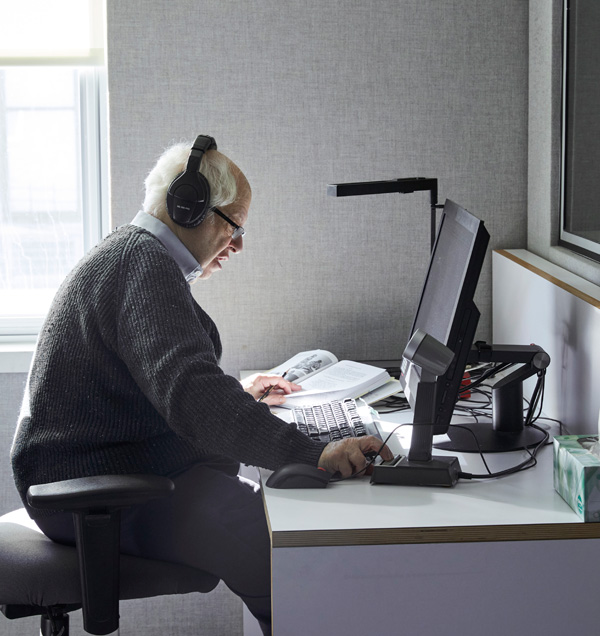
[{"x": 238, "y": 231}]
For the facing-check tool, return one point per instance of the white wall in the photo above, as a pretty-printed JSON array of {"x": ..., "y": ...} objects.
[{"x": 538, "y": 302}]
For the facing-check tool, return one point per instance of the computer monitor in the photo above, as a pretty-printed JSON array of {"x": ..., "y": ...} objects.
[
  {"x": 446, "y": 315},
  {"x": 446, "y": 309},
  {"x": 447, "y": 312}
]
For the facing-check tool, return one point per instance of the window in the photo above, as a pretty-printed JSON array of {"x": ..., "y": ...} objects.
[
  {"x": 580, "y": 213},
  {"x": 51, "y": 205},
  {"x": 53, "y": 194}
]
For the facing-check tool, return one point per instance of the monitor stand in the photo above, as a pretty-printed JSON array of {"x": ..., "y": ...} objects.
[
  {"x": 420, "y": 467},
  {"x": 507, "y": 431},
  {"x": 488, "y": 439}
]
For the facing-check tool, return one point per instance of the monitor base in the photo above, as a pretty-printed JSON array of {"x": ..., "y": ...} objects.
[{"x": 489, "y": 440}]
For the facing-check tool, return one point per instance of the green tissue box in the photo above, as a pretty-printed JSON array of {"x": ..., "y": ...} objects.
[{"x": 577, "y": 473}]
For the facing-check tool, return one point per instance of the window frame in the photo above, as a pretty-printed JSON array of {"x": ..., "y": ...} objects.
[{"x": 580, "y": 245}]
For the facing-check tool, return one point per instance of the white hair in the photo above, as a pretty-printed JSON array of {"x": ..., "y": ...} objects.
[{"x": 214, "y": 166}]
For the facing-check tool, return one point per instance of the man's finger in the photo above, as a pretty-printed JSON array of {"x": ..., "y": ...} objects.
[{"x": 371, "y": 443}]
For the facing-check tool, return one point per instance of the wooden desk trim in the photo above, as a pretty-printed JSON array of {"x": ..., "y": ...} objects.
[{"x": 456, "y": 534}]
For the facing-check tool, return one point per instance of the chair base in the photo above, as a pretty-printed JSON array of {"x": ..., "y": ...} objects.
[{"x": 54, "y": 623}]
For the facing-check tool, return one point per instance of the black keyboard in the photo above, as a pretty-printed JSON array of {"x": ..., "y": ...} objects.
[{"x": 335, "y": 420}]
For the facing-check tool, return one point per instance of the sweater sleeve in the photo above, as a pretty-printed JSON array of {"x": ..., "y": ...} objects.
[{"x": 164, "y": 338}]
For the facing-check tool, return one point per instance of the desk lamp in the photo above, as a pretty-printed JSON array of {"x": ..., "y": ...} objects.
[{"x": 403, "y": 186}]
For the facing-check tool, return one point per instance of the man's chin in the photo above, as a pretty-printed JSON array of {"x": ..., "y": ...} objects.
[{"x": 215, "y": 266}]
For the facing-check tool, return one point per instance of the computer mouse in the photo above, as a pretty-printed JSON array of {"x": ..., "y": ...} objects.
[{"x": 299, "y": 476}]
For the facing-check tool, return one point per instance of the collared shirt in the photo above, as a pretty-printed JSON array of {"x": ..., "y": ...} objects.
[{"x": 189, "y": 266}]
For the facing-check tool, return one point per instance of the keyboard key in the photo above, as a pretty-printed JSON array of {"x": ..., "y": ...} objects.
[{"x": 332, "y": 421}]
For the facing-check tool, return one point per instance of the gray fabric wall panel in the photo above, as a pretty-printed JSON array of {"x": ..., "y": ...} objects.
[
  {"x": 12, "y": 386},
  {"x": 305, "y": 94}
]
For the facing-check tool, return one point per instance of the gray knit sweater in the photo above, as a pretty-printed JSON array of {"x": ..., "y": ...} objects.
[{"x": 125, "y": 378}]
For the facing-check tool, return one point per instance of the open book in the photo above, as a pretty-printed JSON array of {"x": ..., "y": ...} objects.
[{"x": 325, "y": 378}]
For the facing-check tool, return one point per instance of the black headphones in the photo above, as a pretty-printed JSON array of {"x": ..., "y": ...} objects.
[{"x": 188, "y": 196}]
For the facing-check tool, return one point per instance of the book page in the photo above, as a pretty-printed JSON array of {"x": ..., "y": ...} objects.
[
  {"x": 341, "y": 375},
  {"x": 343, "y": 379},
  {"x": 305, "y": 364},
  {"x": 391, "y": 387}
]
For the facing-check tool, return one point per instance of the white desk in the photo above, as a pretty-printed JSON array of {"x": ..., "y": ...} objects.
[{"x": 495, "y": 557}]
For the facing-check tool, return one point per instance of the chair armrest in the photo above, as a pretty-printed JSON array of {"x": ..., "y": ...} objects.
[
  {"x": 96, "y": 504},
  {"x": 98, "y": 492}
]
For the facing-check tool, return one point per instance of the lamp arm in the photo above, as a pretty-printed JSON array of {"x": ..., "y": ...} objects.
[{"x": 402, "y": 186}]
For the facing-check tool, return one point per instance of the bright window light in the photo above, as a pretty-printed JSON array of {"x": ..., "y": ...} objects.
[
  {"x": 51, "y": 32},
  {"x": 51, "y": 193}
]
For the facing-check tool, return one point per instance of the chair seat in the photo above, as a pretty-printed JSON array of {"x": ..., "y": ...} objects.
[{"x": 36, "y": 571}]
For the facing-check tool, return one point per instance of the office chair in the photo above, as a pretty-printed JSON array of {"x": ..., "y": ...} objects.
[{"x": 41, "y": 577}]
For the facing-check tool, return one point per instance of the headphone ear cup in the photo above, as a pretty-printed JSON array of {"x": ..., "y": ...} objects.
[
  {"x": 188, "y": 196},
  {"x": 188, "y": 199}
]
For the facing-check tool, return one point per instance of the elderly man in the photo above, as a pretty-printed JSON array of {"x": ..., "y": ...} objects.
[{"x": 126, "y": 379}]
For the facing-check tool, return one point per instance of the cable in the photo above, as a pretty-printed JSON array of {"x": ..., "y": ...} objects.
[
  {"x": 394, "y": 404},
  {"x": 530, "y": 462},
  {"x": 478, "y": 447},
  {"x": 372, "y": 460},
  {"x": 535, "y": 404},
  {"x": 535, "y": 396},
  {"x": 486, "y": 375},
  {"x": 550, "y": 419}
]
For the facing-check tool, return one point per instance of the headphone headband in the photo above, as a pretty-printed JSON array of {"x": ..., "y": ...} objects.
[{"x": 202, "y": 144}]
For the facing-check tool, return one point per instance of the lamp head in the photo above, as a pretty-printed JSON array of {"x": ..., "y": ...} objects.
[{"x": 403, "y": 186}]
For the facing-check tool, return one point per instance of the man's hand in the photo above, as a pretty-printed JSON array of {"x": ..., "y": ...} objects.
[
  {"x": 347, "y": 457},
  {"x": 258, "y": 384}
]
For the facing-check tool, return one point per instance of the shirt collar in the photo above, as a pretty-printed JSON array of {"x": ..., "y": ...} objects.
[{"x": 189, "y": 266}]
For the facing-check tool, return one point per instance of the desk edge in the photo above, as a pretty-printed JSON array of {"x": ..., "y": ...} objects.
[{"x": 456, "y": 534}]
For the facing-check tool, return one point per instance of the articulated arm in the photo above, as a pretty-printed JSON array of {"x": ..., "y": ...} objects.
[{"x": 507, "y": 393}]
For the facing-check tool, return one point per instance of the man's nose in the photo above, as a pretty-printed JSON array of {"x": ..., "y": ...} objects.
[{"x": 237, "y": 245}]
